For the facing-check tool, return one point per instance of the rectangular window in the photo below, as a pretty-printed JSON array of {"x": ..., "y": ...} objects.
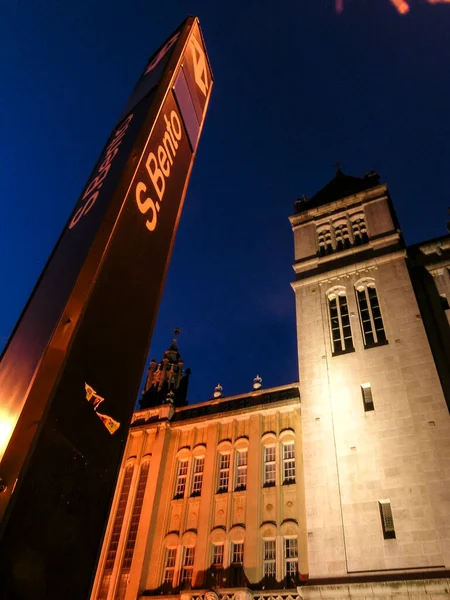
[
  {"x": 269, "y": 558},
  {"x": 269, "y": 465},
  {"x": 288, "y": 463},
  {"x": 387, "y": 520},
  {"x": 341, "y": 333},
  {"x": 188, "y": 565},
  {"x": 224, "y": 472},
  {"x": 291, "y": 558},
  {"x": 370, "y": 315},
  {"x": 182, "y": 471},
  {"x": 241, "y": 469},
  {"x": 197, "y": 481},
  {"x": 169, "y": 569},
  {"x": 237, "y": 553},
  {"x": 217, "y": 556},
  {"x": 366, "y": 391}
]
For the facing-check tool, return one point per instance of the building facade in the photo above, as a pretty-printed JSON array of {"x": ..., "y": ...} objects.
[{"x": 335, "y": 487}]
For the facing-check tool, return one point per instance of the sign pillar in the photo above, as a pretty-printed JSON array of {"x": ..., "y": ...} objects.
[{"x": 70, "y": 373}]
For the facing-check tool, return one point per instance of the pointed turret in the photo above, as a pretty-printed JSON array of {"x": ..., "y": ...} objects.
[{"x": 167, "y": 381}]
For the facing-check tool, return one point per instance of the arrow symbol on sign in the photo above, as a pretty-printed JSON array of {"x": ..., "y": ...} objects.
[{"x": 200, "y": 70}]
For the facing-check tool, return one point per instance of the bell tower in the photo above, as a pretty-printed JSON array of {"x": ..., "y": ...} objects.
[
  {"x": 374, "y": 418},
  {"x": 167, "y": 381}
]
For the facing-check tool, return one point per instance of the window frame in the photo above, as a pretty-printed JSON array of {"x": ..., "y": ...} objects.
[
  {"x": 218, "y": 555},
  {"x": 197, "y": 475},
  {"x": 169, "y": 568},
  {"x": 325, "y": 236},
  {"x": 271, "y": 463},
  {"x": 223, "y": 473},
  {"x": 187, "y": 566},
  {"x": 269, "y": 558},
  {"x": 359, "y": 228},
  {"x": 237, "y": 552},
  {"x": 181, "y": 478},
  {"x": 241, "y": 470},
  {"x": 288, "y": 463},
  {"x": 341, "y": 234},
  {"x": 367, "y": 397},
  {"x": 372, "y": 302},
  {"x": 387, "y": 519},
  {"x": 342, "y": 314},
  {"x": 292, "y": 559}
]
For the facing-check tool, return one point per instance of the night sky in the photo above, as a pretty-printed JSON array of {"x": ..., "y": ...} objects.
[{"x": 297, "y": 88}]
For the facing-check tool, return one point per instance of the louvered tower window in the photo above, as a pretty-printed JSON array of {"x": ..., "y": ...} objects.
[
  {"x": 359, "y": 230},
  {"x": 342, "y": 236},
  {"x": 366, "y": 391},
  {"x": 387, "y": 520}
]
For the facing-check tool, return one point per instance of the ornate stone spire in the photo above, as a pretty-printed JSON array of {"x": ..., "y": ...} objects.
[
  {"x": 257, "y": 383},
  {"x": 218, "y": 391},
  {"x": 166, "y": 381}
]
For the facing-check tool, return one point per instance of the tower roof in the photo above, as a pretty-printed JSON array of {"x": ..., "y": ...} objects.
[{"x": 340, "y": 186}]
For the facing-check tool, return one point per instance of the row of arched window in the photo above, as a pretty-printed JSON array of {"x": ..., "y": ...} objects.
[
  {"x": 342, "y": 233},
  {"x": 231, "y": 473},
  {"x": 369, "y": 312},
  {"x": 278, "y": 561}
]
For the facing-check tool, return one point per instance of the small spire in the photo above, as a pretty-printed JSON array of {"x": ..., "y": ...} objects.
[
  {"x": 337, "y": 165},
  {"x": 257, "y": 383},
  {"x": 218, "y": 391}
]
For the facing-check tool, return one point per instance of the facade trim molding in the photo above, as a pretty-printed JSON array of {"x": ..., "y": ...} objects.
[{"x": 371, "y": 263}]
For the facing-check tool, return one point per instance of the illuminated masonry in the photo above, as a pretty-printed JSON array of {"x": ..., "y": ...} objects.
[{"x": 333, "y": 488}]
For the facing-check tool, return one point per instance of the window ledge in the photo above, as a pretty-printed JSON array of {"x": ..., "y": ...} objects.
[
  {"x": 341, "y": 352},
  {"x": 375, "y": 345}
]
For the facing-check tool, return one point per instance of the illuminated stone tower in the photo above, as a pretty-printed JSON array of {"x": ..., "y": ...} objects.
[
  {"x": 167, "y": 381},
  {"x": 376, "y": 435}
]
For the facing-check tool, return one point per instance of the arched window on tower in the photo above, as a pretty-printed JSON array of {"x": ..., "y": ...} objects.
[
  {"x": 359, "y": 229},
  {"x": 342, "y": 235},
  {"x": 370, "y": 314},
  {"x": 341, "y": 332},
  {"x": 325, "y": 240}
]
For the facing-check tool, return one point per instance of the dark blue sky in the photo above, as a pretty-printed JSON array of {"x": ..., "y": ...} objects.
[{"x": 297, "y": 88}]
